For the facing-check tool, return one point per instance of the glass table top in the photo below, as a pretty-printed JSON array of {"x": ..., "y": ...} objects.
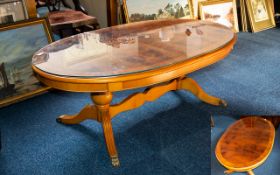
[{"x": 131, "y": 48}]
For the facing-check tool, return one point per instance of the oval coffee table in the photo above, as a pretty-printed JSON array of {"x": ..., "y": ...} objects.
[{"x": 153, "y": 54}]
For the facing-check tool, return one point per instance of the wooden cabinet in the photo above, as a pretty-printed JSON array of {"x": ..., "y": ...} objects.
[
  {"x": 112, "y": 13},
  {"x": 31, "y": 8}
]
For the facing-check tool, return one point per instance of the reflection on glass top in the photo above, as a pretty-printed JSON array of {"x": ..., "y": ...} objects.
[{"x": 131, "y": 48}]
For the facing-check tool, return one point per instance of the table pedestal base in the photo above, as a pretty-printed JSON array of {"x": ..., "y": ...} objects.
[{"x": 103, "y": 112}]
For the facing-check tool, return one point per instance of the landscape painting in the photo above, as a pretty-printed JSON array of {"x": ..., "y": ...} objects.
[
  {"x": 136, "y": 10},
  {"x": 223, "y": 12},
  {"x": 18, "y": 43}
]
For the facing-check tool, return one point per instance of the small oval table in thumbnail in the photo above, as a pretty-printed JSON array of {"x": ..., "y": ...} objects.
[{"x": 245, "y": 145}]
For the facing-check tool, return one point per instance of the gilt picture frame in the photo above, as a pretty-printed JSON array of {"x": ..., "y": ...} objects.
[
  {"x": 135, "y": 10},
  {"x": 12, "y": 11},
  {"x": 18, "y": 43},
  {"x": 220, "y": 11},
  {"x": 195, "y": 8},
  {"x": 260, "y": 14}
]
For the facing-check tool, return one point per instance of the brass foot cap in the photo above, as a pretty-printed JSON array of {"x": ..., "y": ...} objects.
[
  {"x": 223, "y": 103},
  {"x": 115, "y": 161}
]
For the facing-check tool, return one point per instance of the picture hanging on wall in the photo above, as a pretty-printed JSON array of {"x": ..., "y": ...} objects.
[
  {"x": 18, "y": 43},
  {"x": 12, "y": 11},
  {"x": 220, "y": 11},
  {"x": 260, "y": 14},
  {"x": 195, "y": 9},
  {"x": 136, "y": 10}
]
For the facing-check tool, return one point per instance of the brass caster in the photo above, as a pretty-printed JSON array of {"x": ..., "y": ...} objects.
[
  {"x": 115, "y": 161},
  {"x": 223, "y": 103}
]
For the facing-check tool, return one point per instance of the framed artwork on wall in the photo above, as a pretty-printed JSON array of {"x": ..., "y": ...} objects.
[
  {"x": 195, "y": 9},
  {"x": 12, "y": 11},
  {"x": 136, "y": 10},
  {"x": 18, "y": 43},
  {"x": 220, "y": 11},
  {"x": 260, "y": 14}
]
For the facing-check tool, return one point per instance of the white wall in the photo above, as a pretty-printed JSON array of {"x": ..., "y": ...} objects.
[{"x": 97, "y": 8}]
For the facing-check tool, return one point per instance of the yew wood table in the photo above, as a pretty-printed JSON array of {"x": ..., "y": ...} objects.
[
  {"x": 245, "y": 145},
  {"x": 153, "y": 54}
]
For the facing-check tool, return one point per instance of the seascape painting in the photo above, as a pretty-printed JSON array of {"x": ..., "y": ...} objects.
[
  {"x": 223, "y": 13},
  {"x": 157, "y": 9},
  {"x": 259, "y": 10},
  {"x": 17, "y": 47}
]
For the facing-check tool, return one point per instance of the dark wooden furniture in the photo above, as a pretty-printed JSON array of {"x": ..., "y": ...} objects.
[
  {"x": 245, "y": 145},
  {"x": 212, "y": 123},
  {"x": 153, "y": 54},
  {"x": 31, "y": 8},
  {"x": 277, "y": 12},
  {"x": 115, "y": 12},
  {"x": 68, "y": 22},
  {"x": 112, "y": 12}
]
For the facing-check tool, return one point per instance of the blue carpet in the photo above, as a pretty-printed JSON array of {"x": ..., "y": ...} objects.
[
  {"x": 155, "y": 139},
  {"x": 168, "y": 136}
]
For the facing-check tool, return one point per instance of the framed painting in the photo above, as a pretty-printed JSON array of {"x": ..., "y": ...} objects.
[
  {"x": 136, "y": 10},
  {"x": 260, "y": 14},
  {"x": 195, "y": 9},
  {"x": 220, "y": 11},
  {"x": 18, "y": 43},
  {"x": 12, "y": 11}
]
